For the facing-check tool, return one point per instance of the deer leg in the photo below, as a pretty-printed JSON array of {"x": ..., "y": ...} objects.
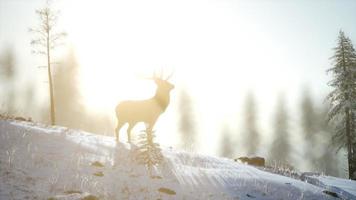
[
  {"x": 117, "y": 130},
  {"x": 149, "y": 132},
  {"x": 129, "y": 132}
]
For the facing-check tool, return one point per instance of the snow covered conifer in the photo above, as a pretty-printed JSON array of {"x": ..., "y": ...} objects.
[
  {"x": 343, "y": 99},
  {"x": 149, "y": 152}
]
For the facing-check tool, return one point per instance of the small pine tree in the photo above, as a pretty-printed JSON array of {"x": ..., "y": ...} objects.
[
  {"x": 148, "y": 152},
  {"x": 343, "y": 99}
]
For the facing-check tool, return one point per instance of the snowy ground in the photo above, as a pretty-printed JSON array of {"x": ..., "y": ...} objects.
[{"x": 37, "y": 162}]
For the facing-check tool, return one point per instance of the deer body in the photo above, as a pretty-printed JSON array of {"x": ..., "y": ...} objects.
[{"x": 147, "y": 111}]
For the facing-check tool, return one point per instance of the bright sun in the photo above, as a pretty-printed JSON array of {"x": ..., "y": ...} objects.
[
  {"x": 118, "y": 43},
  {"x": 112, "y": 69}
]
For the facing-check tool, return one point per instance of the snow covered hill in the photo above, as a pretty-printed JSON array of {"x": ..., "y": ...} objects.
[{"x": 38, "y": 162}]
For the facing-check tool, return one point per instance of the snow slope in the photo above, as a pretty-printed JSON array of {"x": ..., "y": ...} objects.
[
  {"x": 38, "y": 162},
  {"x": 346, "y": 188}
]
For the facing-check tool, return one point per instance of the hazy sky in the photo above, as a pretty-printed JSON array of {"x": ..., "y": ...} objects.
[{"x": 218, "y": 49}]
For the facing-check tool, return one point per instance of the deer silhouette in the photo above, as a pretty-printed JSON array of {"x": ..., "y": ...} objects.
[{"x": 147, "y": 111}]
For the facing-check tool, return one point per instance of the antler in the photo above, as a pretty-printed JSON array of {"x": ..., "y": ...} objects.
[
  {"x": 160, "y": 75},
  {"x": 170, "y": 75}
]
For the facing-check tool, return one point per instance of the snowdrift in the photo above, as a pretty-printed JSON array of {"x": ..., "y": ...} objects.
[{"x": 39, "y": 162}]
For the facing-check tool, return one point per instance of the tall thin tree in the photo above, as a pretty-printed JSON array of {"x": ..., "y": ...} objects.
[
  {"x": 252, "y": 141},
  {"x": 46, "y": 39},
  {"x": 343, "y": 99}
]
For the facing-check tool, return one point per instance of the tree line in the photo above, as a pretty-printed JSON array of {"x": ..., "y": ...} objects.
[
  {"x": 326, "y": 127},
  {"x": 310, "y": 144}
]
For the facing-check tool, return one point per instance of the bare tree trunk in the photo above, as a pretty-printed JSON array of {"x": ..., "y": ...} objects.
[
  {"x": 53, "y": 120},
  {"x": 349, "y": 144},
  {"x": 348, "y": 122},
  {"x": 350, "y": 148}
]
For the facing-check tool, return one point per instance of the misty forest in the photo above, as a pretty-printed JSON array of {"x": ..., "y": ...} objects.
[{"x": 177, "y": 100}]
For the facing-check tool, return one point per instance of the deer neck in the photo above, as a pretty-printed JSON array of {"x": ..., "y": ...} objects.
[{"x": 162, "y": 99}]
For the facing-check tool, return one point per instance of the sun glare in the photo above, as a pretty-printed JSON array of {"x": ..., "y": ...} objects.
[
  {"x": 106, "y": 76},
  {"x": 117, "y": 49}
]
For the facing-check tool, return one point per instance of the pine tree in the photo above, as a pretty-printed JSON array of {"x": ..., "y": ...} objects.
[
  {"x": 46, "y": 40},
  {"x": 309, "y": 127},
  {"x": 252, "y": 140},
  {"x": 186, "y": 121},
  {"x": 8, "y": 72},
  {"x": 280, "y": 149},
  {"x": 149, "y": 153},
  {"x": 327, "y": 161},
  {"x": 69, "y": 110},
  {"x": 343, "y": 99},
  {"x": 226, "y": 144}
]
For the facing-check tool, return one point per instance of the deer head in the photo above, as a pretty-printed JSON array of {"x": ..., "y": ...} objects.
[{"x": 162, "y": 83}]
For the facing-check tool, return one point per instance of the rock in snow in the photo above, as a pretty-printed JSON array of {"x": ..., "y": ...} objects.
[{"x": 41, "y": 162}]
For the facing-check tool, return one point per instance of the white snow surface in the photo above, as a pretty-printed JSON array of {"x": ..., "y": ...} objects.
[{"x": 41, "y": 162}]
